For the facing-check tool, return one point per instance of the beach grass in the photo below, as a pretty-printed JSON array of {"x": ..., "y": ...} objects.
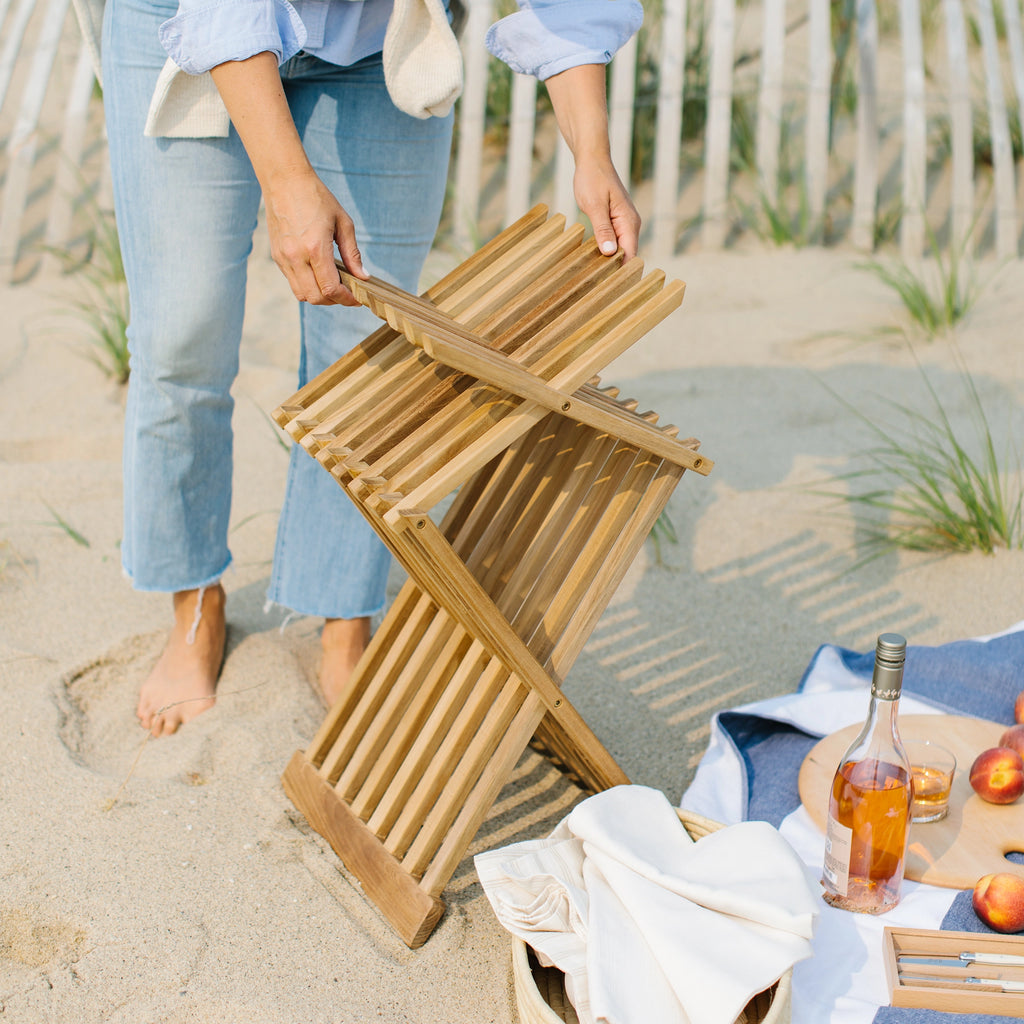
[
  {"x": 102, "y": 305},
  {"x": 938, "y": 293},
  {"x": 60, "y": 523},
  {"x": 931, "y": 486}
]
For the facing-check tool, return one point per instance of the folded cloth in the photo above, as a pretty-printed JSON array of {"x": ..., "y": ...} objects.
[
  {"x": 750, "y": 771},
  {"x": 647, "y": 924}
]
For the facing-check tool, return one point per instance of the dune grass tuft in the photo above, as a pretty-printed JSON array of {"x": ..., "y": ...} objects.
[
  {"x": 939, "y": 294},
  {"x": 931, "y": 489}
]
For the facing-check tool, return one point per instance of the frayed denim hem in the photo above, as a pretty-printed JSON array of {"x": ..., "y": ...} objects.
[
  {"x": 270, "y": 604},
  {"x": 174, "y": 588}
]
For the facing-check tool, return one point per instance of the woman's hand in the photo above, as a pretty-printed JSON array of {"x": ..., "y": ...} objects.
[
  {"x": 601, "y": 195},
  {"x": 303, "y": 217},
  {"x": 581, "y": 109},
  {"x": 305, "y": 221}
]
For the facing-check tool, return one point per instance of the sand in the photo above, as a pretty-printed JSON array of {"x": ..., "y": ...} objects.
[{"x": 172, "y": 881}]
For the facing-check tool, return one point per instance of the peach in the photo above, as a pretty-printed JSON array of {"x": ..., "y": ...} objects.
[
  {"x": 999, "y": 901},
  {"x": 997, "y": 775},
  {"x": 1018, "y": 708},
  {"x": 1014, "y": 739}
]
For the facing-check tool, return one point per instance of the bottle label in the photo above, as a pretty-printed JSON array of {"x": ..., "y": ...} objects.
[{"x": 838, "y": 841}]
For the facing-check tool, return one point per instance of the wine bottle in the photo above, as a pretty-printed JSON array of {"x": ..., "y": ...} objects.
[{"x": 869, "y": 804}]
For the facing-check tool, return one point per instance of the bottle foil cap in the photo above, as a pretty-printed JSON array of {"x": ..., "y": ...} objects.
[{"x": 890, "y": 654}]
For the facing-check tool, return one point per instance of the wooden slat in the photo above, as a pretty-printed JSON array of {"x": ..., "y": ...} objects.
[
  {"x": 452, "y": 293},
  {"x": 481, "y": 797},
  {"x": 14, "y": 34},
  {"x": 478, "y": 762},
  {"x": 471, "y": 111},
  {"x": 960, "y": 118},
  {"x": 493, "y": 272},
  {"x": 411, "y": 911},
  {"x": 865, "y": 182},
  {"x": 462, "y": 672},
  {"x": 409, "y": 613},
  {"x": 442, "y": 470},
  {"x": 23, "y": 140},
  {"x": 365, "y": 731},
  {"x": 473, "y": 268},
  {"x": 1002, "y": 154},
  {"x": 573, "y": 562},
  {"x": 521, "y": 126},
  {"x": 445, "y": 341},
  {"x": 479, "y": 722},
  {"x": 769, "y": 103},
  {"x": 564, "y": 201},
  {"x": 68, "y": 177},
  {"x": 719, "y": 124},
  {"x": 669, "y": 129},
  {"x": 474, "y": 608},
  {"x": 1015, "y": 43},
  {"x": 914, "y": 197},
  {"x": 536, "y": 524},
  {"x": 620, "y": 108},
  {"x": 393, "y": 782},
  {"x": 816, "y": 143}
]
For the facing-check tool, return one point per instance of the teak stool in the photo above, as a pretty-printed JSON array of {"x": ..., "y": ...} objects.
[{"x": 484, "y": 387}]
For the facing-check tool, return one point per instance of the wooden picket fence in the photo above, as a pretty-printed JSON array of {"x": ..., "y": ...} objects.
[{"x": 835, "y": 122}]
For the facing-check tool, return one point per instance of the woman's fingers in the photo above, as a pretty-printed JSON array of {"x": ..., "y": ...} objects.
[
  {"x": 305, "y": 220},
  {"x": 604, "y": 199}
]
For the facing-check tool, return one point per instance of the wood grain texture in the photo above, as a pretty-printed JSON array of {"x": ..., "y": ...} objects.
[
  {"x": 410, "y": 910},
  {"x": 483, "y": 390},
  {"x": 949, "y": 992},
  {"x": 972, "y": 840}
]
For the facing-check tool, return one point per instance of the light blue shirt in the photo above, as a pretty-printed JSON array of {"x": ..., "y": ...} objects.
[{"x": 542, "y": 38}]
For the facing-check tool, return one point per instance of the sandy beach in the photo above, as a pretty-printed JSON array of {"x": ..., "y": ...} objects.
[{"x": 172, "y": 881}]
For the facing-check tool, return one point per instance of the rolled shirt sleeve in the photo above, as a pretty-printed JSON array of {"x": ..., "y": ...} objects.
[
  {"x": 545, "y": 37},
  {"x": 205, "y": 33}
]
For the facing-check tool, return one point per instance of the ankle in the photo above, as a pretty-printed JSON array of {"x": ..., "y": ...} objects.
[
  {"x": 345, "y": 633},
  {"x": 201, "y": 608}
]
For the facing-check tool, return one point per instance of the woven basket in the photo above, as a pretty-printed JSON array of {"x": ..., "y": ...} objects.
[{"x": 540, "y": 991}]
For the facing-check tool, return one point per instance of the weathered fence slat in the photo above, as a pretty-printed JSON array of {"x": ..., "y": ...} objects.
[
  {"x": 621, "y": 103},
  {"x": 912, "y": 221},
  {"x": 719, "y": 125},
  {"x": 819, "y": 85},
  {"x": 962, "y": 159},
  {"x": 24, "y": 138},
  {"x": 671, "y": 85},
  {"x": 471, "y": 113},
  {"x": 865, "y": 175},
  {"x": 14, "y": 34},
  {"x": 68, "y": 179},
  {"x": 30, "y": 34},
  {"x": 1002, "y": 154},
  {"x": 769, "y": 102},
  {"x": 522, "y": 125}
]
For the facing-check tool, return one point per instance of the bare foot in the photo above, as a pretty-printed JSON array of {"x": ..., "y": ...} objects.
[
  {"x": 184, "y": 680},
  {"x": 343, "y": 641}
]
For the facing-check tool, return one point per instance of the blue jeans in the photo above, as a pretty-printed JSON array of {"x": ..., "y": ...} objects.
[{"x": 186, "y": 211}]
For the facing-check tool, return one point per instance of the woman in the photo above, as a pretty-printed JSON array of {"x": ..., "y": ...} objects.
[{"x": 340, "y": 116}]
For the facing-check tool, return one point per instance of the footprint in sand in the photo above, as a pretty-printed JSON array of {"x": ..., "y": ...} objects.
[
  {"x": 265, "y": 710},
  {"x": 28, "y": 940},
  {"x": 99, "y": 726}
]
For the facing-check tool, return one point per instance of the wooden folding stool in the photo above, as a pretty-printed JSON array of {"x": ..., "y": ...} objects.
[{"x": 483, "y": 387}]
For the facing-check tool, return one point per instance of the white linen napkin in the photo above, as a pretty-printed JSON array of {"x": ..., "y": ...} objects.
[{"x": 647, "y": 924}]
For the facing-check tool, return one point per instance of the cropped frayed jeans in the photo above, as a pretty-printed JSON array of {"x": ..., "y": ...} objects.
[{"x": 186, "y": 212}]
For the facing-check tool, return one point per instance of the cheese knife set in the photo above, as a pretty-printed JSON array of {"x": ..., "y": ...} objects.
[{"x": 958, "y": 972}]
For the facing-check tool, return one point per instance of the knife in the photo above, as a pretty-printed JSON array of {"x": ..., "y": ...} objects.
[
  {"x": 998, "y": 959},
  {"x": 946, "y": 982}
]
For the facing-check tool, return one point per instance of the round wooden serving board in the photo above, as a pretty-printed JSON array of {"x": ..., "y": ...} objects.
[{"x": 972, "y": 839}]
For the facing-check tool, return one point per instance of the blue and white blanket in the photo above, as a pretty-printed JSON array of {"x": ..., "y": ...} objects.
[{"x": 750, "y": 771}]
